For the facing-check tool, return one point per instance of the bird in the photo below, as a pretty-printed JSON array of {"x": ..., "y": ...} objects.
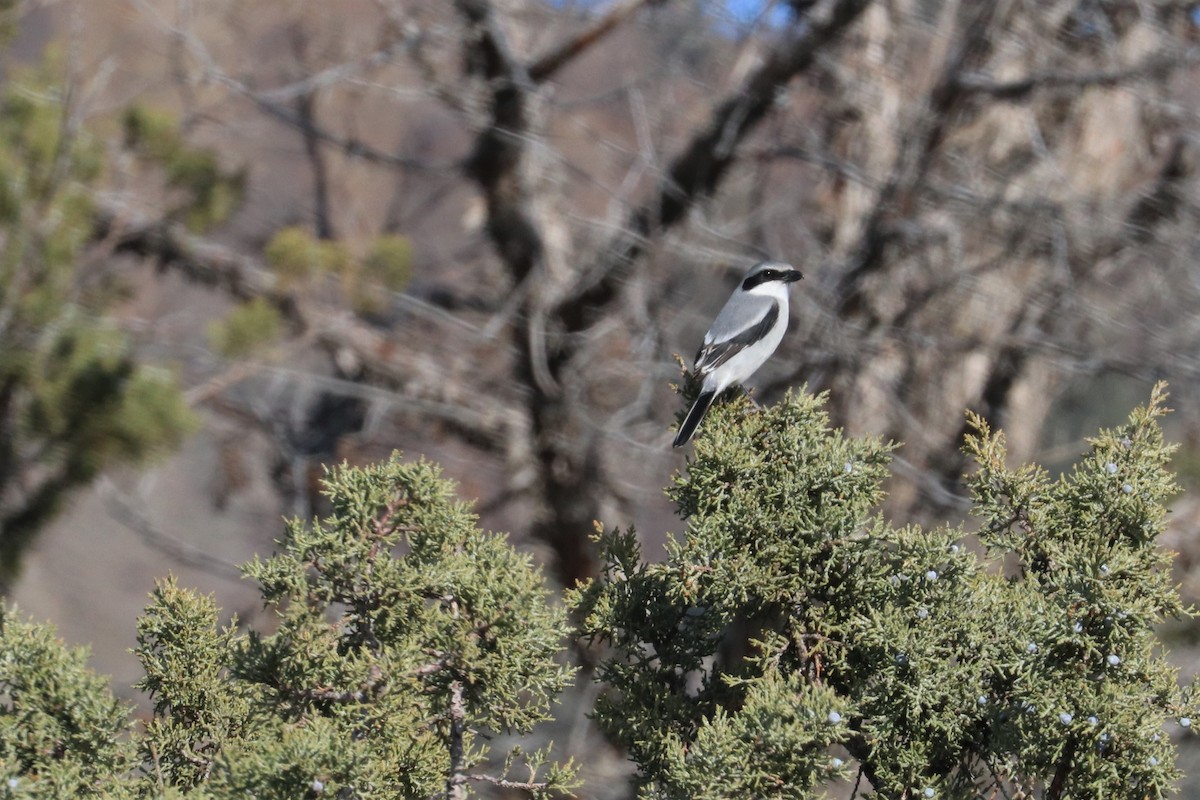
[{"x": 742, "y": 337}]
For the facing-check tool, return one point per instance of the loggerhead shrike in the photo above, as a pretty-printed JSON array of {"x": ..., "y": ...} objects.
[{"x": 742, "y": 337}]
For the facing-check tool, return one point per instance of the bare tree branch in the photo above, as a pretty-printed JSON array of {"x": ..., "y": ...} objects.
[
  {"x": 1155, "y": 67},
  {"x": 547, "y": 66},
  {"x": 348, "y": 145},
  {"x": 130, "y": 514},
  {"x": 273, "y": 101},
  {"x": 306, "y": 113},
  {"x": 505, "y": 783},
  {"x": 696, "y": 171}
]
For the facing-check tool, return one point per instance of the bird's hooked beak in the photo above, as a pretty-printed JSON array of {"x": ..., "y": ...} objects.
[{"x": 791, "y": 276}]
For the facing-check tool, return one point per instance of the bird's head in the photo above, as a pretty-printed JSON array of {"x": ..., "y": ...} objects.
[{"x": 767, "y": 273}]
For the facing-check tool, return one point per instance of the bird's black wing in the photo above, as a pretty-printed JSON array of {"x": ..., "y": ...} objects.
[{"x": 713, "y": 354}]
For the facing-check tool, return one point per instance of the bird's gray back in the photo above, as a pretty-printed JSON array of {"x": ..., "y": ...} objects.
[{"x": 740, "y": 312}]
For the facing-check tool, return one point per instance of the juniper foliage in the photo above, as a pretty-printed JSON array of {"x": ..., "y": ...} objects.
[
  {"x": 792, "y": 637},
  {"x": 62, "y": 733},
  {"x": 401, "y": 635}
]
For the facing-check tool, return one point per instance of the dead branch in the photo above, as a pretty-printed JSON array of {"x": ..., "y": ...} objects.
[
  {"x": 505, "y": 783},
  {"x": 129, "y": 513},
  {"x": 1156, "y": 67},
  {"x": 169, "y": 243},
  {"x": 545, "y": 67},
  {"x": 349, "y": 146}
]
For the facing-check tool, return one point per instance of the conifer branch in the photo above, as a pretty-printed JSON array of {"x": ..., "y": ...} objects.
[
  {"x": 456, "y": 783},
  {"x": 1059, "y": 783},
  {"x": 505, "y": 783}
]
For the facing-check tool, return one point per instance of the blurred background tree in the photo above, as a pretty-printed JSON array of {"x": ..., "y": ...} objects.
[
  {"x": 478, "y": 231},
  {"x": 528, "y": 207},
  {"x": 74, "y": 397}
]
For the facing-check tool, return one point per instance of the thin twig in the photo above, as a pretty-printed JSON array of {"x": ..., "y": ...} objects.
[
  {"x": 857, "y": 781},
  {"x": 504, "y": 783},
  {"x": 122, "y": 509},
  {"x": 158, "y": 775}
]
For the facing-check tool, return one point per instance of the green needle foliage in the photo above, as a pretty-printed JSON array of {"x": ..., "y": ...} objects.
[
  {"x": 247, "y": 327},
  {"x": 402, "y": 636},
  {"x": 402, "y": 633},
  {"x": 61, "y": 731},
  {"x": 792, "y": 637}
]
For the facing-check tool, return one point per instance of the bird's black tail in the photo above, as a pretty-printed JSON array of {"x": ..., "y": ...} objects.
[{"x": 692, "y": 420}]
